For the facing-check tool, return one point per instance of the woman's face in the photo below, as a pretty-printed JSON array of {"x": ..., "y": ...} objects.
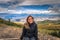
[{"x": 30, "y": 20}]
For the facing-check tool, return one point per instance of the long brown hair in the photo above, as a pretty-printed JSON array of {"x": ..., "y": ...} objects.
[
  {"x": 28, "y": 17},
  {"x": 27, "y": 23}
]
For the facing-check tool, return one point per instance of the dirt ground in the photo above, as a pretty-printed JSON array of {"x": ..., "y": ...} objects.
[{"x": 14, "y": 33}]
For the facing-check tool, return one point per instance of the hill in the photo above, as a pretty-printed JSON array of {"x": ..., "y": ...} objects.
[
  {"x": 49, "y": 21},
  {"x": 2, "y": 21}
]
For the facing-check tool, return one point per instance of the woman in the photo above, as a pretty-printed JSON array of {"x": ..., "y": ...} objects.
[{"x": 29, "y": 30}]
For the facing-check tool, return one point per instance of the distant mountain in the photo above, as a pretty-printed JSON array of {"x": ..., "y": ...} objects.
[{"x": 7, "y": 15}]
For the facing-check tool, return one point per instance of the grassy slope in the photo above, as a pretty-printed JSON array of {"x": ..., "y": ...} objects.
[
  {"x": 47, "y": 24},
  {"x": 49, "y": 27},
  {"x": 2, "y": 21}
]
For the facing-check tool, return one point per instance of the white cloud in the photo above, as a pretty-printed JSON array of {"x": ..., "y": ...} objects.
[
  {"x": 27, "y": 11},
  {"x": 27, "y": 2},
  {"x": 39, "y": 2},
  {"x": 3, "y": 10},
  {"x": 55, "y": 8},
  {"x": 36, "y": 11},
  {"x": 32, "y": 2},
  {"x": 5, "y": 0}
]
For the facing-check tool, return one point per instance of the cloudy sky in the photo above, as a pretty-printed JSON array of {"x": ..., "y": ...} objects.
[{"x": 19, "y": 7}]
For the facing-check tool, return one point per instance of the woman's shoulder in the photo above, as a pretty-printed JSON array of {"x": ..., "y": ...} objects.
[{"x": 35, "y": 23}]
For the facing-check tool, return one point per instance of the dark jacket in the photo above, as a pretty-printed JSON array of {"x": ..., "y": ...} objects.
[{"x": 32, "y": 32}]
